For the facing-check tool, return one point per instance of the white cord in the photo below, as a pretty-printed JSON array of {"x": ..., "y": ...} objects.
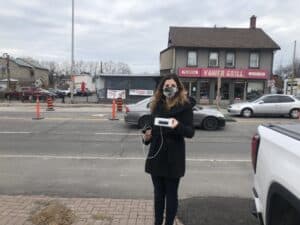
[{"x": 143, "y": 145}]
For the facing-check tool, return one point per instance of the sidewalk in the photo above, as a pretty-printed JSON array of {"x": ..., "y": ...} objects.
[
  {"x": 62, "y": 105},
  {"x": 18, "y": 210}
]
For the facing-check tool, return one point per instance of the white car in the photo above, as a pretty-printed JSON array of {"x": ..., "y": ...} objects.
[{"x": 272, "y": 104}]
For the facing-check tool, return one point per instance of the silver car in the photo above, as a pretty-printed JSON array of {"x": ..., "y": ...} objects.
[
  {"x": 208, "y": 119},
  {"x": 272, "y": 104}
]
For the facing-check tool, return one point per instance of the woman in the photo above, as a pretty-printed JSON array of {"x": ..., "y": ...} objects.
[{"x": 166, "y": 159}]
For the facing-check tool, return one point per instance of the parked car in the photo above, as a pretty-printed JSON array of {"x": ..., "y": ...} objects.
[
  {"x": 87, "y": 92},
  {"x": 272, "y": 104},
  {"x": 276, "y": 166},
  {"x": 59, "y": 93},
  {"x": 208, "y": 119},
  {"x": 45, "y": 93},
  {"x": 12, "y": 95},
  {"x": 68, "y": 92},
  {"x": 31, "y": 93}
]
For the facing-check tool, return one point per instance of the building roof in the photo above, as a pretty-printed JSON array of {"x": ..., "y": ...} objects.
[
  {"x": 203, "y": 37},
  {"x": 21, "y": 62},
  {"x": 26, "y": 63},
  {"x": 31, "y": 64}
]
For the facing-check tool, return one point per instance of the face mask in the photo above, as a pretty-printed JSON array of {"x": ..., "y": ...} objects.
[{"x": 170, "y": 92}]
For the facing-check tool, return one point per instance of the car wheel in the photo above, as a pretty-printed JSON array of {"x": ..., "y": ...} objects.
[
  {"x": 294, "y": 113},
  {"x": 143, "y": 121},
  {"x": 247, "y": 113},
  {"x": 288, "y": 216},
  {"x": 210, "y": 123}
]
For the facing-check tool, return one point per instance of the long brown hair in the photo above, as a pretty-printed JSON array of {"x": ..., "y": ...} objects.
[{"x": 179, "y": 99}]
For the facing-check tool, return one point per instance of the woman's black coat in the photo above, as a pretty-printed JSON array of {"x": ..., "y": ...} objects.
[{"x": 170, "y": 161}]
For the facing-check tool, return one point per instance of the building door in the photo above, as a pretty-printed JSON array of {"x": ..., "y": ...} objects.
[
  {"x": 191, "y": 88},
  {"x": 239, "y": 90}
]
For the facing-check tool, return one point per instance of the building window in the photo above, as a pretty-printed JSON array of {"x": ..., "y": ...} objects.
[
  {"x": 213, "y": 59},
  {"x": 230, "y": 59},
  {"x": 254, "y": 60},
  {"x": 192, "y": 58}
]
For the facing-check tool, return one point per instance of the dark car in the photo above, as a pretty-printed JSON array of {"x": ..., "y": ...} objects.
[
  {"x": 12, "y": 95},
  {"x": 59, "y": 93},
  {"x": 79, "y": 92}
]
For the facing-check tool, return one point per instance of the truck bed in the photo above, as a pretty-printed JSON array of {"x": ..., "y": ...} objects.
[{"x": 291, "y": 130}]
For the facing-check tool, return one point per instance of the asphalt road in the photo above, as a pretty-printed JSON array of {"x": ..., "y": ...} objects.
[{"x": 79, "y": 152}]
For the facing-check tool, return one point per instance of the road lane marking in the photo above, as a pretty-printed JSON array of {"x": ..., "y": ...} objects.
[
  {"x": 58, "y": 118},
  {"x": 15, "y": 132},
  {"x": 111, "y": 133},
  {"x": 116, "y": 158}
]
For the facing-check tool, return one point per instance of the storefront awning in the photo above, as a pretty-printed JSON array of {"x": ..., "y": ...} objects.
[{"x": 224, "y": 73}]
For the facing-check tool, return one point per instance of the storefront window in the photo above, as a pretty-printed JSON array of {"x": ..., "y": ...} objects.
[
  {"x": 239, "y": 88},
  {"x": 204, "y": 90},
  {"x": 255, "y": 89},
  {"x": 191, "y": 88},
  {"x": 225, "y": 91},
  {"x": 194, "y": 89}
]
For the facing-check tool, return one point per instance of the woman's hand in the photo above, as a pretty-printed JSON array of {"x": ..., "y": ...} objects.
[
  {"x": 147, "y": 135},
  {"x": 174, "y": 123}
]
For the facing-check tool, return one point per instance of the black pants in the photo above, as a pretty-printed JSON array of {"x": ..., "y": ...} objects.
[{"x": 165, "y": 190}]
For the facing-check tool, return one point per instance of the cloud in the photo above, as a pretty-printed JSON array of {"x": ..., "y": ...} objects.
[{"x": 133, "y": 31}]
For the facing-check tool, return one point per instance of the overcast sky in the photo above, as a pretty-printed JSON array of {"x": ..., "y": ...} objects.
[{"x": 133, "y": 31}]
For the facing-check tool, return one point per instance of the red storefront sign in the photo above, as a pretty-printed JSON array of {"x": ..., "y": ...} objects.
[{"x": 223, "y": 73}]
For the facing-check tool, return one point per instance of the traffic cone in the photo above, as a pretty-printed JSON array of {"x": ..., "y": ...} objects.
[
  {"x": 50, "y": 104},
  {"x": 38, "y": 110},
  {"x": 119, "y": 104},
  {"x": 113, "y": 110}
]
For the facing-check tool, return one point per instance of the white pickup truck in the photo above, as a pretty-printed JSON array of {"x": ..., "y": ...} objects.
[{"x": 276, "y": 165}]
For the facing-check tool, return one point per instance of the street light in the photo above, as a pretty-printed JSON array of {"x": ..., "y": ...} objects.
[
  {"x": 6, "y": 55},
  {"x": 72, "y": 55}
]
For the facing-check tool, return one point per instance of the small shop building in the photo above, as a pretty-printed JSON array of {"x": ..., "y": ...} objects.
[
  {"x": 130, "y": 87},
  {"x": 241, "y": 57}
]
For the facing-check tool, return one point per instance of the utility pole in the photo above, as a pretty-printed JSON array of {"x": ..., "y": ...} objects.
[
  {"x": 294, "y": 69},
  {"x": 7, "y": 71},
  {"x": 72, "y": 57},
  {"x": 219, "y": 92}
]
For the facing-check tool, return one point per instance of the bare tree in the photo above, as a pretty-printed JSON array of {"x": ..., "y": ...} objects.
[
  {"x": 287, "y": 71},
  {"x": 91, "y": 67}
]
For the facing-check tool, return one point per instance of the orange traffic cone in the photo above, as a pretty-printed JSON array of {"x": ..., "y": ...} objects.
[
  {"x": 50, "y": 104},
  {"x": 113, "y": 110},
  {"x": 38, "y": 109}
]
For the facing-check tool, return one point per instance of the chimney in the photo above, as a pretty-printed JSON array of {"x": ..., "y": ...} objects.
[{"x": 253, "y": 22}]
